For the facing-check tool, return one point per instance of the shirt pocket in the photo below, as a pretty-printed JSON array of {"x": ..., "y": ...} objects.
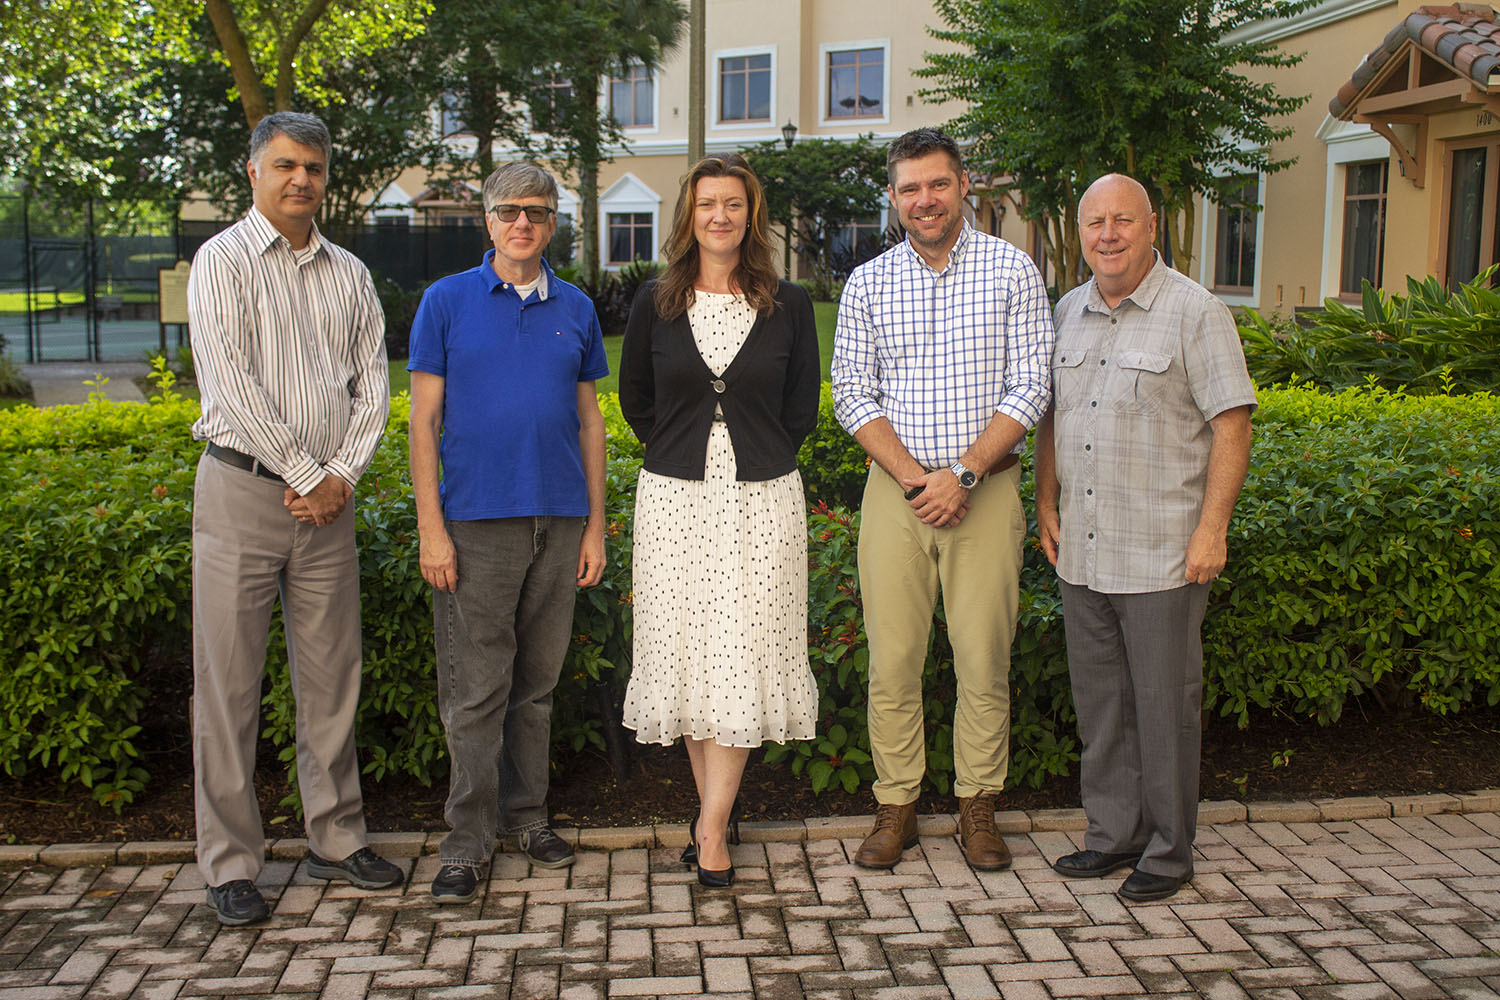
[
  {"x": 1070, "y": 378},
  {"x": 1145, "y": 377}
]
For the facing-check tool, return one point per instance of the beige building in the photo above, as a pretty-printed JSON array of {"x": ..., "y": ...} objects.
[
  {"x": 1397, "y": 155},
  {"x": 827, "y": 68}
]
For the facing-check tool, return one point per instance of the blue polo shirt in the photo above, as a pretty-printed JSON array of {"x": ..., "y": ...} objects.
[{"x": 510, "y": 398}]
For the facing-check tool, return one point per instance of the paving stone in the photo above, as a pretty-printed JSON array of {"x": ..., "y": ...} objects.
[
  {"x": 156, "y": 852},
  {"x": 1485, "y": 800},
  {"x": 397, "y": 845},
  {"x": 840, "y": 827},
  {"x": 1358, "y": 807},
  {"x": 614, "y": 839},
  {"x": 1212, "y": 813},
  {"x": 1058, "y": 819},
  {"x": 1283, "y": 812},
  {"x": 76, "y": 855}
]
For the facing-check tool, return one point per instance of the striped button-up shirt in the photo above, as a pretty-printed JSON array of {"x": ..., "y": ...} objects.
[
  {"x": 1136, "y": 388},
  {"x": 289, "y": 349},
  {"x": 939, "y": 353}
]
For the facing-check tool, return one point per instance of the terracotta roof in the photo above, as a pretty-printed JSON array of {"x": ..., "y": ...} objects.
[{"x": 1463, "y": 36}]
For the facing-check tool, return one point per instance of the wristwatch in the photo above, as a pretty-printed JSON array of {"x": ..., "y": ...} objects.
[{"x": 966, "y": 479}]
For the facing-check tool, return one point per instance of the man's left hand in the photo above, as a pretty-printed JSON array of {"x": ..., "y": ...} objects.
[
  {"x": 942, "y": 502},
  {"x": 1207, "y": 552},
  {"x": 591, "y": 556},
  {"x": 323, "y": 505}
]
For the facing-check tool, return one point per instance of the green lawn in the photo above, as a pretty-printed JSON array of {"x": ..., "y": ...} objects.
[{"x": 826, "y": 313}]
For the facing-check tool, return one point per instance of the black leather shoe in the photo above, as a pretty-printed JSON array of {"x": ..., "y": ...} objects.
[
  {"x": 238, "y": 903},
  {"x": 722, "y": 879},
  {"x": 455, "y": 884},
  {"x": 731, "y": 833},
  {"x": 1092, "y": 864},
  {"x": 546, "y": 848},
  {"x": 1143, "y": 887},
  {"x": 364, "y": 868}
]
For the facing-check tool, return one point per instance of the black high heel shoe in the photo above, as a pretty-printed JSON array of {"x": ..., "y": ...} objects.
[
  {"x": 721, "y": 878},
  {"x": 690, "y": 852}
]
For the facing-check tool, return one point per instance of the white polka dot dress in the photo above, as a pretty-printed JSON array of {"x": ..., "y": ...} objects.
[{"x": 720, "y": 587}]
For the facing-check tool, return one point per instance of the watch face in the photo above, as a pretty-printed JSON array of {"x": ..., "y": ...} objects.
[{"x": 967, "y": 480}]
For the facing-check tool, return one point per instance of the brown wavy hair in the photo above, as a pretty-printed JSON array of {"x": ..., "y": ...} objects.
[{"x": 755, "y": 276}]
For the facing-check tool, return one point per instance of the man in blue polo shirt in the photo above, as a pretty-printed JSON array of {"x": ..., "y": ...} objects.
[{"x": 503, "y": 363}]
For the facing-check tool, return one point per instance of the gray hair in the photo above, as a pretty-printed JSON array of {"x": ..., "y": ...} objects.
[
  {"x": 519, "y": 180},
  {"x": 305, "y": 130}
]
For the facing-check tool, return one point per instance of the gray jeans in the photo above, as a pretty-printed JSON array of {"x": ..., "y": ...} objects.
[{"x": 501, "y": 639}]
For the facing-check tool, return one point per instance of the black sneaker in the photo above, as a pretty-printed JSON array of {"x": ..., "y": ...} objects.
[
  {"x": 455, "y": 884},
  {"x": 364, "y": 868},
  {"x": 546, "y": 848},
  {"x": 238, "y": 903}
]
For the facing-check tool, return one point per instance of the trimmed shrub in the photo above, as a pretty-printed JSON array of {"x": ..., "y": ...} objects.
[{"x": 1363, "y": 564}]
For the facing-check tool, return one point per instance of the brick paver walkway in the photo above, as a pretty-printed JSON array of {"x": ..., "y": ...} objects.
[{"x": 1384, "y": 907}]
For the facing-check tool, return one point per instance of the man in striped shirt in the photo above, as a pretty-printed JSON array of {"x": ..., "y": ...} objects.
[
  {"x": 289, "y": 347},
  {"x": 940, "y": 366}
]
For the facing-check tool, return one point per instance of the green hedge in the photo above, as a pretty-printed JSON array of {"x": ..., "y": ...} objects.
[{"x": 1362, "y": 563}]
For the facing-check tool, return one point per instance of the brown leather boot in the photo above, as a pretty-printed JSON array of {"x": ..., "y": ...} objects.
[
  {"x": 977, "y": 835},
  {"x": 895, "y": 831}
]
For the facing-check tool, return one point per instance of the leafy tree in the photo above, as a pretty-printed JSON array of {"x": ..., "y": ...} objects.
[
  {"x": 506, "y": 58},
  {"x": 375, "y": 138},
  {"x": 76, "y": 87},
  {"x": 286, "y": 46},
  {"x": 1061, "y": 91},
  {"x": 817, "y": 187}
]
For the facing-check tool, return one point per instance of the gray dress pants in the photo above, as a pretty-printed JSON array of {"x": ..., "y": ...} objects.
[
  {"x": 246, "y": 550},
  {"x": 1136, "y": 663}
]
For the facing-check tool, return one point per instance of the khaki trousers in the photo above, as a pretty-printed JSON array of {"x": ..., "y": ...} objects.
[
  {"x": 902, "y": 564},
  {"x": 246, "y": 550}
]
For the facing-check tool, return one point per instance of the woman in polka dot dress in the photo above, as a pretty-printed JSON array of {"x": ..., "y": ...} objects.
[{"x": 719, "y": 379}]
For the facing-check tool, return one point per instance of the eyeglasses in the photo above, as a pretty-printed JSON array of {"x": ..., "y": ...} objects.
[{"x": 536, "y": 214}]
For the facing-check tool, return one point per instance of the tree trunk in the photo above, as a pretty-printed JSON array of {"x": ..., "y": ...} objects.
[
  {"x": 241, "y": 65},
  {"x": 589, "y": 157},
  {"x": 286, "y": 52}
]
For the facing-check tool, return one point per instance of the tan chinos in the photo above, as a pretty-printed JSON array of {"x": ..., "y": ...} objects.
[
  {"x": 246, "y": 550},
  {"x": 902, "y": 565}
]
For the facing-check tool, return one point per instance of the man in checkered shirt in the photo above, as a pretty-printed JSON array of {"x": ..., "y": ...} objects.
[
  {"x": 1138, "y": 467},
  {"x": 940, "y": 367}
]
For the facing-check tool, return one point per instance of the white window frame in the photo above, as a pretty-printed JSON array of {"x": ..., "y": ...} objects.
[
  {"x": 1346, "y": 142},
  {"x": 1208, "y": 242},
  {"x": 606, "y": 95},
  {"x": 628, "y": 194},
  {"x": 719, "y": 55},
  {"x": 885, "y": 101}
]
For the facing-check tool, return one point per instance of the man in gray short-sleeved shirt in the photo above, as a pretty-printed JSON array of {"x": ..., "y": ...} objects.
[{"x": 1139, "y": 463}]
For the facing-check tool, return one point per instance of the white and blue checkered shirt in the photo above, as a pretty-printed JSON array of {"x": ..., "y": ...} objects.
[{"x": 938, "y": 353}]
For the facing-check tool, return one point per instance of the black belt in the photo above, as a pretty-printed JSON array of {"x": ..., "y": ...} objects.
[{"x": 240, "y": 460}]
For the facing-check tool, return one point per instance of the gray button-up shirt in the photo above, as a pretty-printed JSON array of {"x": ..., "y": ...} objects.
[{"x": 1134, "y": 389}]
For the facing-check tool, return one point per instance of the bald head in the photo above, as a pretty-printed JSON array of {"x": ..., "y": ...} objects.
[
  {"x": 1118, "y": 189},
  {"x": 1117, "y": 229}
]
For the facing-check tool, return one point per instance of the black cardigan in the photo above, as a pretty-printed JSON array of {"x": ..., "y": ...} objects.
[{"x": 769, "y": 391}]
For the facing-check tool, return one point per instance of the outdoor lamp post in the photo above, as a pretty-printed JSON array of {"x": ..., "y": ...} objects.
[{"x": 788, "y": 133}]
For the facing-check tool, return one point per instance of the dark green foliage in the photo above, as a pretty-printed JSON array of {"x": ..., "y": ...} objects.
[
  {"x": 1427, "y": 341},
  {"x": 1362, "y": 558},
  {"x": 1362, "y": 566},
  {"x": 400, "y": 308}
]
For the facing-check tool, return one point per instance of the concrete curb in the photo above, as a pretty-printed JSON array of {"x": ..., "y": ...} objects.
[{"x": 674, "y": 835}]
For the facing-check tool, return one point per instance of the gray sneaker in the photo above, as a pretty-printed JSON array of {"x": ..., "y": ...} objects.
[
  {"x": 546, "y": 848},
  {"x": 364, "y": 868},
  {"x": 455, "y": 884},
  {"x": 238, "y": 903}
]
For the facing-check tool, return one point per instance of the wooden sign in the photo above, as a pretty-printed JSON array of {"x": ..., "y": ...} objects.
[{"x": 171, "y": 286}]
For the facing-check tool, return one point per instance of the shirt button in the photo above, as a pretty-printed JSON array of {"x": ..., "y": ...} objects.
[
  {"x": 1089, "y": 492},
  {"x": 1113, "y": 321},
  {"x": 1091, "y": 535},
  {"x": 1103, "y": 362},
  {"x": 1093, "y": 402},
  {"x": 1088, "y": 447},
  {"x": 718, "y": 385}
]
